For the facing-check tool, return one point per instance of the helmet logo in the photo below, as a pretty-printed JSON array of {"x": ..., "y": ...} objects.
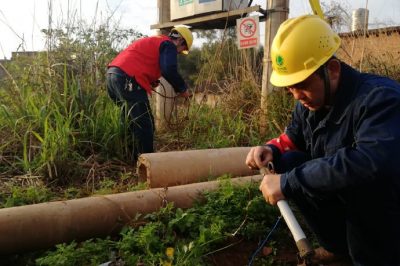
[
  {"x": 279, "y": 60},
  {"x": 280, "y": 64}
]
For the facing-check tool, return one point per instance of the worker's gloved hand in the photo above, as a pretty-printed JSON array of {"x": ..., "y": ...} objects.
[{"x": 186, "y": 94}]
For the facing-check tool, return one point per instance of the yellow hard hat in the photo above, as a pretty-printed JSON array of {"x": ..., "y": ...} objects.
[
  {"x": 186, "y": 34},
  {"x": 300, "y": 47}
]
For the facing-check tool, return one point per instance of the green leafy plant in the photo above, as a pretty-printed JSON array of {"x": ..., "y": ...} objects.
[
  {"x": 228, "y": 213},
  {"x": 17, "y": 196}
]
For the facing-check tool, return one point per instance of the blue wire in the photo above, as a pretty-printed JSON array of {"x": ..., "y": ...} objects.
[{"x": 264, "y": 242}]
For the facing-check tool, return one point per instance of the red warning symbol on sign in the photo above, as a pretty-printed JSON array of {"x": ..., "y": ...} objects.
[
  {"x": 248, "y": 27},
  {"x": 248, "y": 32}
]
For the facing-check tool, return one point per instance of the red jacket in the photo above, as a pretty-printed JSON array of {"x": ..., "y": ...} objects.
[{"x": 141, "y": 60}]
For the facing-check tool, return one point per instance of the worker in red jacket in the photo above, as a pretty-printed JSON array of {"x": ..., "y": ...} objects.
[
  {"x": 338, "y": 159},
  {"x": 133, "y": 73}
]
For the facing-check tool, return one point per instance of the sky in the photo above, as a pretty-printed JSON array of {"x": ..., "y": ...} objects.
[{"x": 21, "y": 21}]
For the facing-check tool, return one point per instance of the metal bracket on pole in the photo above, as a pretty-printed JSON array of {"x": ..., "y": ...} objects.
[
  {"x": 272, "y": 10},
  {"x": 269, "y": 11}
]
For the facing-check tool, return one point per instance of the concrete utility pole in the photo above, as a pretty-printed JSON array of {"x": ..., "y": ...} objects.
[
  {"x": 164, "y": 101},
  {"x": 278, "y": 11}
]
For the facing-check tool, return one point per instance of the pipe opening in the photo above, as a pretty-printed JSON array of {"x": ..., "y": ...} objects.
[{"x": 142, "y": 173}]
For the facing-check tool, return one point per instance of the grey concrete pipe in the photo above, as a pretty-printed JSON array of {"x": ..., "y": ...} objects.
[
  {"x": 184, "y": 167},
  {"x": 38, "y": 226}
]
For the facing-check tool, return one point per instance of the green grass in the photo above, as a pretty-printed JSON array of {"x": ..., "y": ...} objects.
[
  {"x": 61, "y": 138},
  {"x": 193, "y": 233}
]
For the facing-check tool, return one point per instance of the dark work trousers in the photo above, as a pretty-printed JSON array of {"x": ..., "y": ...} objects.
[
  {"x": 350, "y": 222},
  {"x": 135, "y": 109},
  {"x": 324, "y": 216}
]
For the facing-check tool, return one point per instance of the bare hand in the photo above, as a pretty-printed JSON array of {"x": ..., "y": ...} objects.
[
  {"x": 271, "y": 189},
  {"x": 259, "y": 157},
  {"x": 186, "y": 94}
]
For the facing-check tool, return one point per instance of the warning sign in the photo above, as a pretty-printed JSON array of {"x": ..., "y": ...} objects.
[{"x": 248, "y": 34}]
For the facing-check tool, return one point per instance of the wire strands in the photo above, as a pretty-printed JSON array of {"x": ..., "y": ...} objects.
[
  {"x": 168, "y": 117},
  {"x": 260, "y": 246}
]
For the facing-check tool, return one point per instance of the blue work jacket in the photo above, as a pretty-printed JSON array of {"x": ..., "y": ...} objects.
[
  {"x": 354, "y": 151},
  {"x": 356, "y": 143}
]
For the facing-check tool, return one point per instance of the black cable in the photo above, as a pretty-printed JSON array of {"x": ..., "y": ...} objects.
[
  {"x": 170, "y": 124},
  {"x": 264, "y": 242},
  {"x": 327, "y": 86}
]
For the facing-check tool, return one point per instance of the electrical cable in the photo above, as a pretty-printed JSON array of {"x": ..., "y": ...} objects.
[
  {"x": 165, "y": 93},
  {"x": 170, "y": 124},
  {"x": 260, "y": 246}
]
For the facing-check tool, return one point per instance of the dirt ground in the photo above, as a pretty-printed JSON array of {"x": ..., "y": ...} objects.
[{"x": 239, "y": 255}]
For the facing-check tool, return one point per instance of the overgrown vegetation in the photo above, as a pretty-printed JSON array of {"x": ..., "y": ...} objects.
[
  {"x": 61, "y": 139},
  {"x": 229, "y": 216},
  {"x": 55, "y": 113}
]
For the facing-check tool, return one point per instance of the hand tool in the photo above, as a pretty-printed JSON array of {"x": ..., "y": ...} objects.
[{"x": 305, "y": 249}]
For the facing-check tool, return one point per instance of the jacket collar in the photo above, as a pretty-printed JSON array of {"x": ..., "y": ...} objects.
[{"x": 347, "y": 89}]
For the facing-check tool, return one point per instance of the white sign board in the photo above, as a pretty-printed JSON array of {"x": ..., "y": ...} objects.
[{"x": 248, "y": 33}]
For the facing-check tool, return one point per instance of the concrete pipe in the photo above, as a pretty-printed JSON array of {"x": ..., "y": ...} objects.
[
  {"x": 39, "y": 226},
  {"x": 173, "y": 168}
]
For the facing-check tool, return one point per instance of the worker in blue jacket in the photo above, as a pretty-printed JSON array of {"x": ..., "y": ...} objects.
[{"x": 338, "y": 159}]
